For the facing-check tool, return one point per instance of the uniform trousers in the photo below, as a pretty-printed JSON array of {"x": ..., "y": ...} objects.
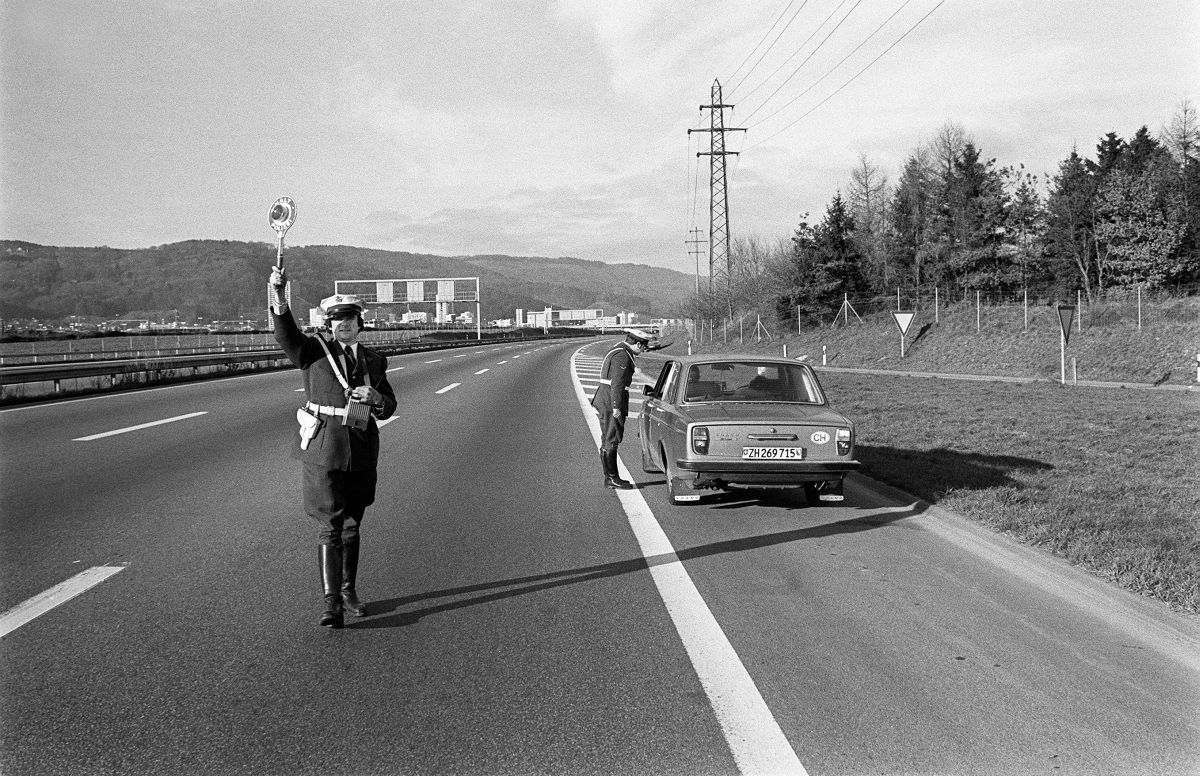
[
  {"x": 612, "y": 431},
  {"x": 337, "y": 500}
]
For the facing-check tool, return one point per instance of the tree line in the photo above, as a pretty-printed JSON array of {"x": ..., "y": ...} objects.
[{"x": 1126, "y": 218}]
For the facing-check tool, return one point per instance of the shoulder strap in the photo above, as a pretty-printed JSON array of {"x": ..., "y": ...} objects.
[{"x": 329, "y": 355}]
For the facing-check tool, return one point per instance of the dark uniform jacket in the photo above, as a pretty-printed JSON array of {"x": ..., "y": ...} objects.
[
  {"x": 615, "y": 376},
  {"x": 335, "y": 446}
]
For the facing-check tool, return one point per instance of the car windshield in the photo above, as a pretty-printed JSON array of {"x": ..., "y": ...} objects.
[{"x": 747, "y": 381}]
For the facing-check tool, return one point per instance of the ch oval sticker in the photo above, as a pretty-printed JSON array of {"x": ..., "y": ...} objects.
[{"x": 820, "y": 437}]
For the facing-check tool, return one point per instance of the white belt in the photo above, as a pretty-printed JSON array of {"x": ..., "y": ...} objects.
[
  {"x": 324, "y": 410},
  {"x": 606, "y": 381}
]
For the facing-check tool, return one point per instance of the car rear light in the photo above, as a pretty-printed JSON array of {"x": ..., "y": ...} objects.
[
  {"x": 843, "y": 441},
  {"x": 700, "y": 440}
]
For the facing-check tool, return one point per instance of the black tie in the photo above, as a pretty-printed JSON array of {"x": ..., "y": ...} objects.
[{"x": 349, "y": 360}]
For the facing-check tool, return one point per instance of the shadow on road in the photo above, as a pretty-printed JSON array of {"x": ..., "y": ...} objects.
[{"x": 388, "y": 613}]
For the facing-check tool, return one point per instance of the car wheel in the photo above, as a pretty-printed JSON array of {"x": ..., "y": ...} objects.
[
  {"x": 678, "y": 494},
  {"x": 811, "y": 494}
]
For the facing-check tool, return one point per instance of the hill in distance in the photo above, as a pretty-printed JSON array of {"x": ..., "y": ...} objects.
[{"x": 222, "y": 279}]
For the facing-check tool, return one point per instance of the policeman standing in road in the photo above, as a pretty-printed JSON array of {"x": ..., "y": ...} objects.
[
  {"x": 612, "y": 401},
  {"x": 347, "y": 389}
]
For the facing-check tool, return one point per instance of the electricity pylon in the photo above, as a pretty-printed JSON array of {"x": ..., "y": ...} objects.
[{"x": 719, "y": 270}]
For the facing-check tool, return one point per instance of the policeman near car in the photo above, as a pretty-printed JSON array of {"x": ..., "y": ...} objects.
[
  {"x": 347, "y": 391},
  {"x": 612, "y": 400}
]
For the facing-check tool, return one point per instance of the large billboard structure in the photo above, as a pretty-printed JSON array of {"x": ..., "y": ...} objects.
[{"x": 443, "y": 293}]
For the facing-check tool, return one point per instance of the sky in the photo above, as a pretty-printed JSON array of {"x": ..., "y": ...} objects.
[{"x": 539, "y": 127}]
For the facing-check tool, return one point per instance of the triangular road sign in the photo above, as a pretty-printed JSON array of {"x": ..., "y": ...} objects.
[
  {"x": 1066, "y": 313},
  {"x": 903, "y": 320}
]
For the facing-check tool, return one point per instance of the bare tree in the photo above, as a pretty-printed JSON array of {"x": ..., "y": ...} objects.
[
  {"x": 1182, "y": 135},
  {"x": 867, "y": 201},
  {"x": 946, "y": 147}
]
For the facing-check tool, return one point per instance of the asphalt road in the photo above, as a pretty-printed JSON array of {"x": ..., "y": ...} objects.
[{"x": 525, "y": 620}]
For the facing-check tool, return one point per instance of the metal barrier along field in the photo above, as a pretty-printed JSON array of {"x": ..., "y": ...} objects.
[{"x": 31, "y": 381}]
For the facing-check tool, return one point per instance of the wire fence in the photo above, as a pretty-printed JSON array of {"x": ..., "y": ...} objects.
[{"x": 1135, "y": 308}]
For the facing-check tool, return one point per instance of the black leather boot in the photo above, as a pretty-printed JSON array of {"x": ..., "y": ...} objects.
[
  {"x": 350, "y": 601},
  {"x": 612, "y": 479},
  {"x": 331, "y": 581}
]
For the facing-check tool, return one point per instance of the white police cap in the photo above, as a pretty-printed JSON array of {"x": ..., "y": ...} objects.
[{"x": 341, "y": 304}]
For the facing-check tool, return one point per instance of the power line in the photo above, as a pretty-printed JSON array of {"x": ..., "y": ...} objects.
[
  {"x": 852, "y": 78},
  {"x": 764, "y": 37},
  {"x": 831, "y": 70},
  {"x": 768, "y": 49},
  {"x": 799, "y": 48},
  {"x": 810, "y": 56}
]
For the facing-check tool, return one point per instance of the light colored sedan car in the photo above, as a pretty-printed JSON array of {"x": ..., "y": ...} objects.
[{"x": 724, "y": 421}]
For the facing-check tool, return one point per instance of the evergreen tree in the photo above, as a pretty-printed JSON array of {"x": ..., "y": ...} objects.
[
  {"x": 797, "y": 277},
  {"x": 1026, "y": 228},
  {"x": 1069, "y": 235},
  {"x": 909, "y": 218},
  {"x": 977, "y": 207},
  {"x": 839, "y": 262}
]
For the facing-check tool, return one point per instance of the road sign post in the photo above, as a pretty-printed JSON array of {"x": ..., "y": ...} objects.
[
  {"x": 1065, "y": 313},
  {"x": 903, "y": 320}
]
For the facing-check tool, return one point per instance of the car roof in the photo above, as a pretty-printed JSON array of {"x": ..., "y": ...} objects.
[{"x": 710, "y": 358}]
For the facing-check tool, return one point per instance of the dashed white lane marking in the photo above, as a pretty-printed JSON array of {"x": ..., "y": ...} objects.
[
  {"x": 59, "y": 594},
  {"x": 382, "y": 423},
  {"x": 449, "y": 387},
  {"x": 395, "y": 369},
  {"x": 498, "y": 363},
  {"x": 754, "y": 737},
  {"x": 138, "y": 427},
  {"x": 434, "y": 361},
  {"x": 481, "y": 371}
]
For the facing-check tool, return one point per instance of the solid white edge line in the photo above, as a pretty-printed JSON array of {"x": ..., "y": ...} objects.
[
  {"x": 754, "y": 737},
  {"x": 59, "y": 594},
  {"x": 449, "y": 387},
  {"x": 138, "y": 427}
]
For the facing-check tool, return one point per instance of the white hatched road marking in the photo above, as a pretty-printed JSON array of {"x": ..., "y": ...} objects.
[
  {"x": 59, "y": 594},
  {"x": 754, "y": 737},
  {"x": 449, "y": 387},
  {"x": 138, "y": 427},
  {"x": 481, "y": 371}
]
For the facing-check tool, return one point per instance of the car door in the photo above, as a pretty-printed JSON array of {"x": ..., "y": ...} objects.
[{"x": 654, "y": 409}]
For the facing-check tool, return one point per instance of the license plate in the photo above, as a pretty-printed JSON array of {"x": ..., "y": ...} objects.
[{"x": 773, "y": 453}]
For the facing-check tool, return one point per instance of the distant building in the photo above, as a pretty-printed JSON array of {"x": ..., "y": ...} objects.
[{"x": 552, "y": 317}]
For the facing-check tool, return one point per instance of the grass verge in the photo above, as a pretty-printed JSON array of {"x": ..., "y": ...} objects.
[{"x": 1106, "y": 478}]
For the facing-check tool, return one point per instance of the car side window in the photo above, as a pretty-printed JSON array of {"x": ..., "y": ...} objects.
[
  {"x": 660, "y": 384},
  {"x": 666, "y": 389}
]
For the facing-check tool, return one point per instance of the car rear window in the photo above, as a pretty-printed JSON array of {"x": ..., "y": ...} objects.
[{"x": 738, "y": 381}]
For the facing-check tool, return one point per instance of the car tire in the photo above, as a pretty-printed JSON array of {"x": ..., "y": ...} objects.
[
  {"x": 811, "y": 495},
  {"x": 673, "y": 489}
]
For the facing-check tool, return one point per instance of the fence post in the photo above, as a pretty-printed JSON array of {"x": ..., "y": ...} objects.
[
  {"x": 977, "y": 303},
  {"x": 1026, "y": 308},
  {"x": 1139, "y": 306},
  {"x": 935, "y": 305},
  {"x": 1079, "y": 307}
]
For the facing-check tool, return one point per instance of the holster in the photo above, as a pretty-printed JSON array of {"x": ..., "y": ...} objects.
[{"x": 310, "y": 423}]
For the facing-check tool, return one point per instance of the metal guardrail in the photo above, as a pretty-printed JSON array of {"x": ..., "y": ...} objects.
[{"x": 161, "y": 367}]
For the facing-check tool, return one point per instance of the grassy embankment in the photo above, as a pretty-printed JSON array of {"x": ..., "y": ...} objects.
[{"x": 1105, "y": 477}]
